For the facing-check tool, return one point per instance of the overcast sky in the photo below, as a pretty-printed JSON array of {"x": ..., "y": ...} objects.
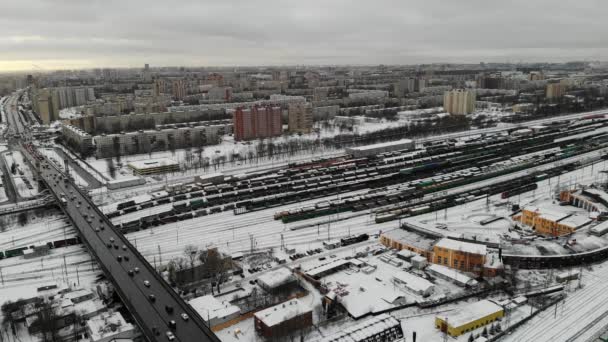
[{"x": 121, "y": 33}]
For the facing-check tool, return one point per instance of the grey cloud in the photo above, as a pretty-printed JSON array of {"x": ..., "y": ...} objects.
[{"x": 229, "y": 32}]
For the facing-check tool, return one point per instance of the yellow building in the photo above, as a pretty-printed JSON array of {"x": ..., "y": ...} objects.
[
  {"x": 470, "y": 318},
  {"x": 551, "y": 222},
  {"x": 465, "y": 256}
]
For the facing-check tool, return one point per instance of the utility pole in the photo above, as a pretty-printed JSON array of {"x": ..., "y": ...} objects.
[{"x": 160, "y": 260}]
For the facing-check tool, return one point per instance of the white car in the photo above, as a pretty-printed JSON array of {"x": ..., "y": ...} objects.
[
  {"x": 170, "y": 336},
  {"x": 147, "y": 283},
  {"x": 185, "y": 317}
]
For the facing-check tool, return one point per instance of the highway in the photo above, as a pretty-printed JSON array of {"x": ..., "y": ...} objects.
[{"x": 151, "y": 315}]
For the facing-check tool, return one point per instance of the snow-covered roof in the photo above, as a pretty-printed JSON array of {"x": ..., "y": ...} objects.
[
  {"x": 320, "y": 269},
  {"x": 106, "y": 325},
  {"x": 471, "y": 313},
  {"x": 210, "y": 307},
  {"x": 462, "y": 246},
  {"x": 452, "y": 273},
  {"x": 276, "y": 278},
  {"x": 147, "y": 163},
  {"x": 364, "y": 330},
  {"x": 603, "y": 196},
  {"x": 413, "y": 282},
  {"x": 575, "y": 221},
  {"x": 282, "y": 312},
  {"x": 383, "y": 145}
]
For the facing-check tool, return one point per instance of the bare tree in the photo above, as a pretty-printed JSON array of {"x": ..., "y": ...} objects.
[{"x": 191, "y": 252}]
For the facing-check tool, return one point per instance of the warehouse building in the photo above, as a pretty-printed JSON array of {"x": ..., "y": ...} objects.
[
  {"x": 283, "y": 319},
  {"x": 383, "y": 328},
  {"x": 372, "y": 150},
  {"x": 472, "y": 317},
  {"x": 402, "y": 239},
  {"x": 551, "y": 221}
]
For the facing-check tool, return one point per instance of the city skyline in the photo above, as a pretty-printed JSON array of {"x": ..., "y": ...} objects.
[{"x": 116, "y": 34}]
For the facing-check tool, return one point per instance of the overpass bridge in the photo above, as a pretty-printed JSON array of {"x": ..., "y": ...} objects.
[{"x": 158, "y": 310}]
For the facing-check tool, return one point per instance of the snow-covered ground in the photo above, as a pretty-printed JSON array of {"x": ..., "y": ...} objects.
[
  {"x": 62, "y": 266},
  {"x": 19, "y": 179}
]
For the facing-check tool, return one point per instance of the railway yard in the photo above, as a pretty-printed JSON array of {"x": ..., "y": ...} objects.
[{"x": 364, "y": 236}]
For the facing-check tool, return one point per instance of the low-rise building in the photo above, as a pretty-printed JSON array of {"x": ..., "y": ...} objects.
[
  {"x": 414, "y": 283},
  {"x": 551, "y": 222},
  {"x": 108, "y": 327},
  {"x": 474, "y": 316},
  {"x": 383, "y": 328},
  {"x": 465, "y": 256},
  {"x": 277, "y": 280},
  {"x": 153, "y": 166},
  {"x": 402, "y": 239},
  {"x": 213, "y": 311},
  {"x": 283, "y": 319}
]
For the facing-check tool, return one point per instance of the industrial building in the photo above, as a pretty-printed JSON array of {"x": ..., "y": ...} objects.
[
  {"x": 472, "y": 317},
  {"x": 550, "y": 221},
  {"x": 402, "y": 239},
  {"x": 464, "y": 256},
  {"x": 375, "y": 149},
  {"x": 383, "y": 328},
  {"x": 283, "y": 319},
  {"x": 109, "y": 327},
  {"x": 277, "y": 281}
]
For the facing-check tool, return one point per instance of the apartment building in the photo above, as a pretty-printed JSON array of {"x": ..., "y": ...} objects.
[
  {"x": 459, "y": 101},
  {"x": 300, "y": 118},
  {"x": 257, "y": 122},
  {"x": 160, "y": 139},
  {"x": 77, "y": 138}
]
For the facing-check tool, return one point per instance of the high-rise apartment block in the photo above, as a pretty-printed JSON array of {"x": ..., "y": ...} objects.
[
  {"x": 257, "y": 122},
  {"x": 178, "y": 89},
  {"x": 300, "y": 117},
  {"x": 459, "y": 101},
  {"x": 555, "y": 90},
  {"x": 46, "y": 103}
]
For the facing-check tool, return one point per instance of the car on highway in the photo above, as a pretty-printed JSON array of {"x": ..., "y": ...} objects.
[
  {"x": 130, "y": 273},
  {"x": 172, "y": 324},
  {"x": 152, "y": 298},
  {"x": 170, "y": 336},
  {"x": 146, "y": 283},
  {"x": 185, "y": 316}
]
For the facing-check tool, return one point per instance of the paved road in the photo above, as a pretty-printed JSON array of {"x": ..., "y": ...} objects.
[{"x": 149, "y": 315}]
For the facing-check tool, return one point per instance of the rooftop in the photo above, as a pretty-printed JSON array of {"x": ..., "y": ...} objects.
[
  {"x": 411, "y": 238},
  {"x": 462, "y": 246},
  {"x": 147, "y": 163},
  {"x": 277, "y": 278},
  {"x": 384, "y": 144},
  {"x": 210, "y": 307},
  {"x": 471, "y": 313},
  {"x": 282, "y": 312},
  {"x": 106, "y": 325},
  {"x": 364, "y": 330}
]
